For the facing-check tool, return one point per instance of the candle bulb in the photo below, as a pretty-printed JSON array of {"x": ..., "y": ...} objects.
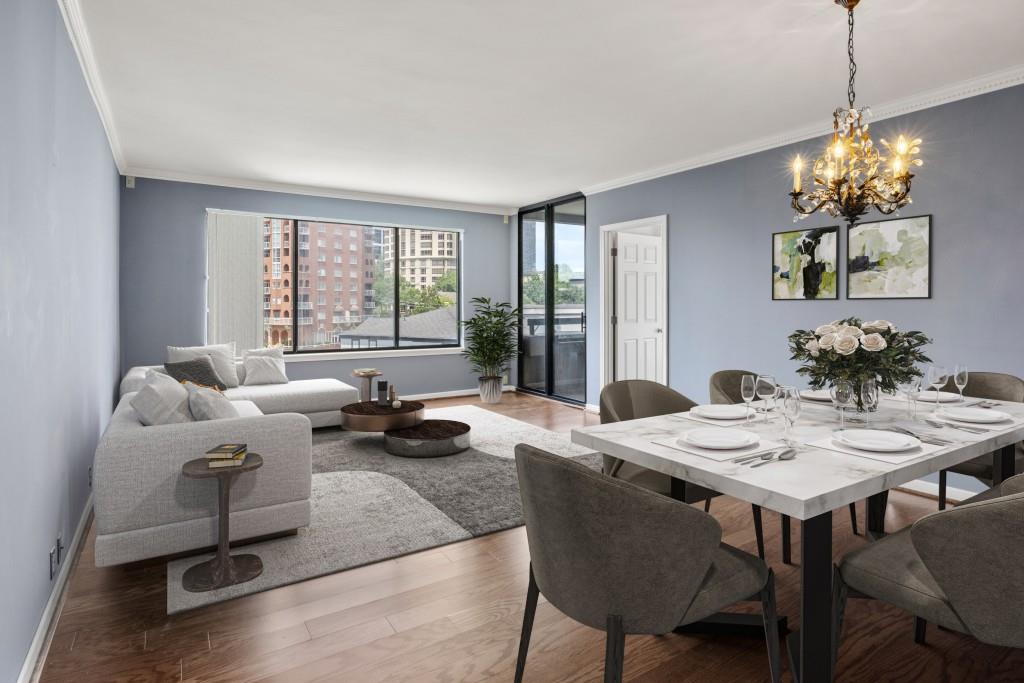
[{"x": 797, "y": 165}]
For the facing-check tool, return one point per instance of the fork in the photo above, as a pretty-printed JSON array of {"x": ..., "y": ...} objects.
[
  {"x": 926, "y": 438},
  {"x": 969, "y": 430}
]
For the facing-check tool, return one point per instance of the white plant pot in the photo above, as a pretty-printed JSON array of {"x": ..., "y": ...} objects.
[{"x": 490, "y": 389}]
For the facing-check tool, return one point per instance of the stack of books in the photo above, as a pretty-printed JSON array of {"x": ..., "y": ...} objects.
[{"x": 226, "y": 455}]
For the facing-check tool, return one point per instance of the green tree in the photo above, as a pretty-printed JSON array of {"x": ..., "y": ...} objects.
[{"x": 449, "y": 282}]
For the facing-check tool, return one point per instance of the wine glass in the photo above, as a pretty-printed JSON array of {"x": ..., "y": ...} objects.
[
  {"x": 960, "y": 379},
  {"x": 765, "y": 389},
  {"x": 937, "y": 378},
  {"x": 790, "y": 409},
  {"x": 842, "y": 396},
  {"x": 747, "y": 391},
  {"x": 910, "y": 389},
  {"x": 868, "y": 399}
]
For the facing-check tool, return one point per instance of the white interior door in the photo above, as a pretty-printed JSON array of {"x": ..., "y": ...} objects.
[{"x": 639, "y": 308}]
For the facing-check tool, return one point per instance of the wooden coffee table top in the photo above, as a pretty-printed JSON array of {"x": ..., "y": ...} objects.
[
  {"x": 431, "y": 430},
  {"x": 371, "y": 409}
]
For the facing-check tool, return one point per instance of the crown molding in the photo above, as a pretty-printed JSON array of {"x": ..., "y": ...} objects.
[
  {"x": 316, "y": 191},
  {"x": 71, "y": 11},
  {"x": 997, "y": 80}
]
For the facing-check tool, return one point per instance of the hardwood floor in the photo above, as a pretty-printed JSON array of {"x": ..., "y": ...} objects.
[{"x": 453, "y": 614}]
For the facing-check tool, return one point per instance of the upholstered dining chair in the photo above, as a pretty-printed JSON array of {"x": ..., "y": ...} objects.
[
  {"x": 665, "y": 566},
  {"x": 961, "y": 568},
  {"x": 995, "y": 386},
  {"x": 632, "y": 399}
]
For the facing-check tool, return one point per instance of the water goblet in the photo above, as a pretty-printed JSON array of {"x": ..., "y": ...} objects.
[
  {"x": 842, "y": 395},
  {"x": 937, "y": 378},
  {"x": 747, "y": 392},
  {"x": 868, "y": 399},
  {"x": 960, "y": 379},
  {"x": 765, "y": 389}
]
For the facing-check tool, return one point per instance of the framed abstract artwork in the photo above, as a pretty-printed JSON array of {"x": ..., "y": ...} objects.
[
  {"x": 890, "y": 259},
  {"x": 804, "y": 264}
]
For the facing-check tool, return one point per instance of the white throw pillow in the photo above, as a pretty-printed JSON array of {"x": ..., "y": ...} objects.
[
  {"x": 222, "y": 355},
  {"x": 208, "y": 404},
  {"x": 161, "y": 401},
  {"x": 264, "y": 366}
]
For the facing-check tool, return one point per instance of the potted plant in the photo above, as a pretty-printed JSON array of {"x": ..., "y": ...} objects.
[
  {"x": 853, "y": 350},
  {"x": 492, "y": 341}
]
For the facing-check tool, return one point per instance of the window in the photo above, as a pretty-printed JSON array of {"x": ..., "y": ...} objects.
[{"x": 357, "y": 303}]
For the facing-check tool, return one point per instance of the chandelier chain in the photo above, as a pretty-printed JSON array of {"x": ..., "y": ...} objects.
[{"x": 851, "y": 93}]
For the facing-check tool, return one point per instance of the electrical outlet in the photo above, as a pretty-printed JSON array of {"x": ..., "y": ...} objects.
[{"x": 53, "y": 562}]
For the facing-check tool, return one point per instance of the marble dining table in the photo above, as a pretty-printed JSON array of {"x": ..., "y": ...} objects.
[{"x": 811, "y": 485}]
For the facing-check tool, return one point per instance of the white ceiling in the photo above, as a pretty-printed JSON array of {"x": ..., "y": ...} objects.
[{"x": 501, "y": 104}]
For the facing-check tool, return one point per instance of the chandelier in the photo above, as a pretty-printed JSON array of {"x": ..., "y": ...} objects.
[{"x": 853, "y": 176}]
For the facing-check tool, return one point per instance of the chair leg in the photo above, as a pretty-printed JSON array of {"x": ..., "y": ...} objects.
[
  {"x": 853, "y": 517},
  {"x": 707, "y": 504},
  {"x": 787, "y": 544},
  {"x": 524, "y": 638},
  {"x": 615, "y": 647},
  {"x": 942, "y": 489},
  {"x": 771, "y": 628},
  {"x": 920, "y": 626},
  {"x": 839, "y": 594},
  {"x": 758, "y": 530}
]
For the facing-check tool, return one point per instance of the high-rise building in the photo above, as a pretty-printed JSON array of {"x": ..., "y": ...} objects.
[{"x": 424, "y": 256}]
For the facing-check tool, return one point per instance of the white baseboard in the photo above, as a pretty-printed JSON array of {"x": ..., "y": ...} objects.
[
  {"x": 591, "y": 408},
  {"x": 451, "y": 394},
  {"x": 32, "y": 667},
  {"x": 931, "y": 488}
]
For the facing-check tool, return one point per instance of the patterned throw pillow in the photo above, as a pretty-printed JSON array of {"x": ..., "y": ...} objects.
[
  {"x": 222, "y": 356},
  {"x": 197, "y": 371}
]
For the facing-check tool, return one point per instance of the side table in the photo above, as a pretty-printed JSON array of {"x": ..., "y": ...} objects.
[
  {"x": 224, "y": 569},
  {"x": 367, "y": 416}
]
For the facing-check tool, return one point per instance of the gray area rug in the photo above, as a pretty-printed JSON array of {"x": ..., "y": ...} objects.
[{"x": 368, "y": 506}]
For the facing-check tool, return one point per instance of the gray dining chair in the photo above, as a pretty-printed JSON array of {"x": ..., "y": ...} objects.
[
  {"x": 724, "y": 387},
  {"x": 995, "y": 386},
  {"x": 961, "y": 568},
  {"x": 632, "y": 399},
  {"x": 664, "y": 566}
]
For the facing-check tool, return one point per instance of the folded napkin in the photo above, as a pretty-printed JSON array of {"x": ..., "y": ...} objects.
[
  {"x": 892, "y": 458},
  {"x": 723, "y": 423},
  {"x": 720, "y": 455}
]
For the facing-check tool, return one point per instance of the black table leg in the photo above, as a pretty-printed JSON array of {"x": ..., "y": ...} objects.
[
  {"x": 876, "y": 515},
  {"x": 1004, "y": 462},
  {"x": 810, "y": 648}
]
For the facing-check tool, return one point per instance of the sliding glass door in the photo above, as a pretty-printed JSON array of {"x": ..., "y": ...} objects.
[{"x": 552, "y": 274}]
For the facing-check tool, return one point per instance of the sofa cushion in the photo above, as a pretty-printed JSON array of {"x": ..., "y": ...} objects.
[
  {"x": 161, "y": 401},
  {"x": 246, "y": 409},
  {"x": 208, "y": 404},
  {"x": 197, "y": 371},
  {"x": 222, "y": 355},
  {"x": 298, "y": 396}
]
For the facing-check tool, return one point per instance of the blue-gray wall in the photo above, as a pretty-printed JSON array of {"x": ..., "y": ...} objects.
[
  {"x": 58, "y": 305},
  {"x": 721, "y": 217},
  {"x": 163, "y": 269}
]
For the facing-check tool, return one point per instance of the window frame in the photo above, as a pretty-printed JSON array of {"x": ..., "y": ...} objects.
[{"x": 395, "y": 348}]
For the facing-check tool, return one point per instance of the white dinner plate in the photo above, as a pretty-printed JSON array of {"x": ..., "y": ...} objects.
[
  {"x": 982, "y": 415},
  {"x": 821, "y": 395},
  {"x": 944, "y": 397},
  {"x": 723, "y": 412},
  {"x": 875, "y": 440},
  {"x": 719, "y": 438}
]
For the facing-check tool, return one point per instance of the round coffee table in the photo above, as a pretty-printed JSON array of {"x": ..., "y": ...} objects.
[
  {"x": 224, "y": 569},
  {"x": 429, "y": 439},
  {"x": 367, "y": 416}
]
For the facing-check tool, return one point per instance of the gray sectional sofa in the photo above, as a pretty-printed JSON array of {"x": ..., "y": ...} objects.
[{"x": 145, "y": 508}]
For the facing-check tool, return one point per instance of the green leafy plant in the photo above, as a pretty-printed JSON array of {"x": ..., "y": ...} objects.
[
  {"x": 492, "y": 337},
  {"x": 853, "y": 350}
]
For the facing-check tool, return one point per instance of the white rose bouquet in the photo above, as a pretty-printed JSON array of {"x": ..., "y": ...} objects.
[{"x": 854, "y": 350}]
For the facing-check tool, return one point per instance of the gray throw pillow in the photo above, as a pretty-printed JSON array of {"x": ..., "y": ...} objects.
[
  {"x": 208, "y": 404},
  {"x": 162, "y": 400},
  {"x": 198, "y": 371},
  {"x": 222, "y": 356}
]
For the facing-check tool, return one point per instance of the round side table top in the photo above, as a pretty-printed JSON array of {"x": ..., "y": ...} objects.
[
  {"x": 200, "y": 469},
  {"x": 371, "y": 409}
]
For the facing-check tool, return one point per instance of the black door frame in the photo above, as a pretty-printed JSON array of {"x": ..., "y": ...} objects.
[{"x": 549, "y": 297}]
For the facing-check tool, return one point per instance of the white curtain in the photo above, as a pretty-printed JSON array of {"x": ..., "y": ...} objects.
[{"x": 234, "y": 279}]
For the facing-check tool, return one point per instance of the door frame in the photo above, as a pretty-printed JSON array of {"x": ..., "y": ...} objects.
[{"x": 653, "y": 225}]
